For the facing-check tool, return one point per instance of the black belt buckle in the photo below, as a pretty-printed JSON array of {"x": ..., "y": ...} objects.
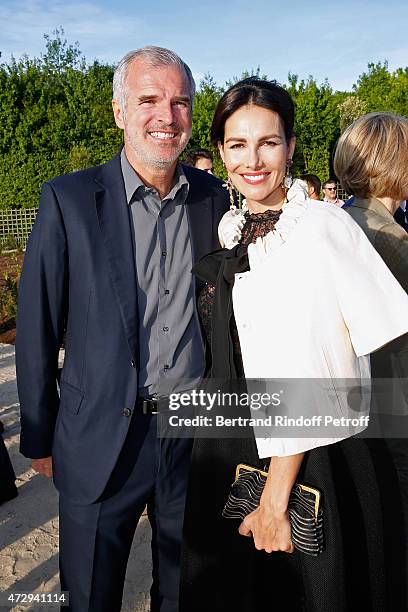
[
  {"x": 148, "y": 405},
  {"x": 153, "y": 404}
]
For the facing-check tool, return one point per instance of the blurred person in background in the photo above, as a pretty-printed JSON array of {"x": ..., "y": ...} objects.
[
  {"x": 401, "y": 215},
  {"x": 330, "y": 193},
  {"x": 201, "y": 159},
  {"x": 314, "y": 185}
]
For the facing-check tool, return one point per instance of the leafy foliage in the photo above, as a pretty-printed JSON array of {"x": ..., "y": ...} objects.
[
  {"x": 317, "y": 125},
  {"x": 9, "y": 293},
  {"x": 206, "y": 100},
  {"x": 351, "y": 109},
  {"x": 55, "y": 116},
  {"x": 9, "y": 298}
]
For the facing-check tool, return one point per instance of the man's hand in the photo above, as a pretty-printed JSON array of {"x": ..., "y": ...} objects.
[{"x": 43, "y": 466}]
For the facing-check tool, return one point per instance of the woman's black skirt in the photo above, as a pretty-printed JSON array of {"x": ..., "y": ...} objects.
[{"x": 361, "y": 568}]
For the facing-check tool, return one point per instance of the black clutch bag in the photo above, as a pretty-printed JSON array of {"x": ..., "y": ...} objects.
[{"x": 304, "y": 507}]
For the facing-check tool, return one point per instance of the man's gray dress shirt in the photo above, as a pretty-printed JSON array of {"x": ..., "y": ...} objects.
[{"x": 171, "y": 349}]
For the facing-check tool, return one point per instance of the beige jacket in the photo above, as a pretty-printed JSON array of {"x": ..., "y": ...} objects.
[
  {"x": 391, "y": 242},
  {"x": 388, "y": 238}
]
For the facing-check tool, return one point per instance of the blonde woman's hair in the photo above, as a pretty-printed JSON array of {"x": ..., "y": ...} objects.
[{"x": 371, "y": 157}]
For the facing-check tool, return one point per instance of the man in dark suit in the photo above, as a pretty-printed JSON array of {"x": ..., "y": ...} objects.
[
  {"x": 109, "y": 263},
  {"x": 400, "y": 215}
]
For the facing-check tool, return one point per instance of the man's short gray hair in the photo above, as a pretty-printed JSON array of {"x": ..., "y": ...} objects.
[{"x": 155, "y": 57}]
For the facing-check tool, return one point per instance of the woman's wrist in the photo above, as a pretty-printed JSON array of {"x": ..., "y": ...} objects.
[
  {"x": 281, "y": 477},
  {"x": 274, "y": 503}
]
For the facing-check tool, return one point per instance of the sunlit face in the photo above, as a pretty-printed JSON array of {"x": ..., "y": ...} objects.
[
  {"x": 203, "y": 163},
  {"x": 157, "y": 116},
  {"x": 255, "y": 153},
  {"x": 330, "y": 191}
]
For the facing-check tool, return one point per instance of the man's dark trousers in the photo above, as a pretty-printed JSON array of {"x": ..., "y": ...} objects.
[{"x": 150, "y": 471}]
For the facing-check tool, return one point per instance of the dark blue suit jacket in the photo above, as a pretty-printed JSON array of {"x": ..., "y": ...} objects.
[{"x": 79, "y": 275}]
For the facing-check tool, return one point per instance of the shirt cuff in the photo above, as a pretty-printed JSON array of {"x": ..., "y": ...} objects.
[{"x": 284, "y": 447}]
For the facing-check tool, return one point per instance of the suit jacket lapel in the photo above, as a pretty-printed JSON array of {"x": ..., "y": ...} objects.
[
  {"x": 200, "y": 216},
  {"x": 115, "y": 225}
]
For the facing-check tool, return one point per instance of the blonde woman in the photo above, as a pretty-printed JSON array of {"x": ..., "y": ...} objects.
[{"x": 371, "y": 162}]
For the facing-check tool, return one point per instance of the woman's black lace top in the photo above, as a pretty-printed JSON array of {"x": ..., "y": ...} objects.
[{"x": 256, "y": 226}]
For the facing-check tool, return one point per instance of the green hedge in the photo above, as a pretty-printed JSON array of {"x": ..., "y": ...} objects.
[{"x": 55, "y": 116}]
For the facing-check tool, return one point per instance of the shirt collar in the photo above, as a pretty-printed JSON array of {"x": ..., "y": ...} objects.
[{"x": 133, "y": 182}]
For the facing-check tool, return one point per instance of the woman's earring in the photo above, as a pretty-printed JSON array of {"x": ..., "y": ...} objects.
[
  {"x": 288, "y": 180},
  {"x": 230, "y": 188}
]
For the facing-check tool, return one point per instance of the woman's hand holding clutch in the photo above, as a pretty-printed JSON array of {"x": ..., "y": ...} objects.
[
  {"x": 269, "y": 523},
  {"x": 271, "y": 532}
]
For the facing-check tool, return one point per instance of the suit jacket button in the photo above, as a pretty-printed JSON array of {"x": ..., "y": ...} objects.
[
  {"x": 133, "y": 363},
  {"x": 126, "y": 412}
]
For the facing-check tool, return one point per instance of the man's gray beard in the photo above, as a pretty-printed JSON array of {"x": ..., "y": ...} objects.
[{"x": 154, "y": 163}]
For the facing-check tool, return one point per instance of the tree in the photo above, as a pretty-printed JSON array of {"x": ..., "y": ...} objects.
[
  {"x": 206, "y": 100},
  {"x": 55, "y": 117},
  {"x": 316, "y": 125},
  {"x": 383, "y": 90},
  {"x": 245, "y": 75},
  {"x": 374, "y": 86},
  {"x": 351, "y": 109},
  {"x": 398, "y": 97},
  {"x": 60, "y": 55}
]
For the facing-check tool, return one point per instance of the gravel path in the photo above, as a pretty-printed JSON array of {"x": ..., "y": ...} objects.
[{"x": 29, "y": 523}]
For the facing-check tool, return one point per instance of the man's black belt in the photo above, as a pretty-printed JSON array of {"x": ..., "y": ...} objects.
[{"x": 152, "y": 405}]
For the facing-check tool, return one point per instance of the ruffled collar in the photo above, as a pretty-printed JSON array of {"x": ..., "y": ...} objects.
[{"x": 293, "y": 210}]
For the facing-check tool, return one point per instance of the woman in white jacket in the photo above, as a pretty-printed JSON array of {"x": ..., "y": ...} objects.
[{"x": 311, "y": 300}]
